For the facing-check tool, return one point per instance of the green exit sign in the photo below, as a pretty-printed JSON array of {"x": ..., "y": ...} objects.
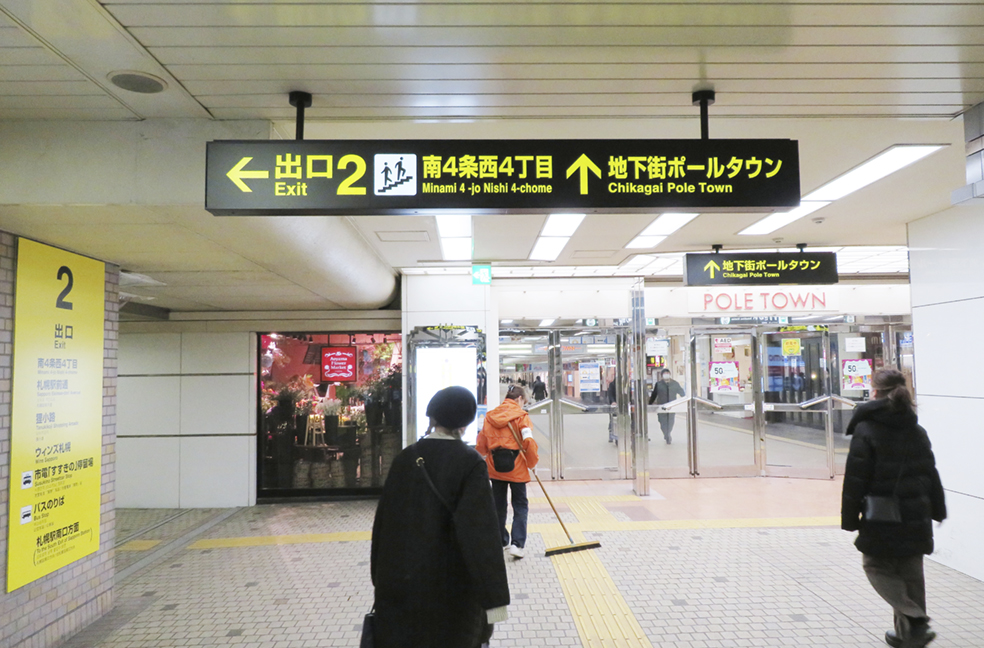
[{"x": 481, "y": 275}]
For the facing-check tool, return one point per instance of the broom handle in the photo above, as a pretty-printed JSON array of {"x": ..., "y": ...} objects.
[{"x": 549, "y": 501}]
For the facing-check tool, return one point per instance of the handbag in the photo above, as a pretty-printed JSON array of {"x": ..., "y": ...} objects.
[
  {"x": 885, "y": 509},
  {"x": 369, "y": 630},
  {"x": 504, "y": 459}
]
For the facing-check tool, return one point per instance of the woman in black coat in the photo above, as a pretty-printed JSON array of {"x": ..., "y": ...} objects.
[
  {"x": 891, "y": 457},
  {"x": 437, "y": 562}
]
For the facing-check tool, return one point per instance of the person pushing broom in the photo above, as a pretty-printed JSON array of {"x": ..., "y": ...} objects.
[{"x": 509, "y": 468}]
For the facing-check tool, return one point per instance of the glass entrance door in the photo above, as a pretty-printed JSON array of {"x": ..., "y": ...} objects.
[
  {"x": 796, "y": 409},
  {"x": 667, "y": 362},
  {"x": 722, "y": 410},
  {"x": 575, "y": 422},
  {"x": 588, "y": 421}
]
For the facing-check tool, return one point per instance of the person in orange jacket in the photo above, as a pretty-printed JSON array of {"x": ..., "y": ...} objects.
[{"x": 509, "y": 469}]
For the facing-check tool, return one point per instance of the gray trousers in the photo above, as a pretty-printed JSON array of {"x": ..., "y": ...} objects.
[{"x": 901, "y": 583}]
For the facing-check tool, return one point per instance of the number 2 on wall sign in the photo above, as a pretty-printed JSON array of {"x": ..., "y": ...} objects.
[{"x": 61, "y": 301}]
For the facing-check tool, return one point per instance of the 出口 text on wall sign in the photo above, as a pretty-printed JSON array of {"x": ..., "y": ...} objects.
[{"x": 352, "y": 177}]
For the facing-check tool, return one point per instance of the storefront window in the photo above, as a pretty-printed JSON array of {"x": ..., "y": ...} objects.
[{"x": 331, "y": 408}]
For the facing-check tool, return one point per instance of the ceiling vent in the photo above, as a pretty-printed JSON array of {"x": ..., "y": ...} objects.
[{"x": 139, "y": 82}]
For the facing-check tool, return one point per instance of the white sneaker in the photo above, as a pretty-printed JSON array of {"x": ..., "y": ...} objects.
[{"x": 516, "y": 552}]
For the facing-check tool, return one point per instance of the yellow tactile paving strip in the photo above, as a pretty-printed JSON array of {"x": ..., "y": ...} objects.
[
  {"x": 269, "y": 541},
  {"x": 139, "y": 545},
  {"x": 601, "y": 615},
  {"x": 593, "y": 521}
]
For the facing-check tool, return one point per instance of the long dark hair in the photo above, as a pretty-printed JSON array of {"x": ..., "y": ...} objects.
[{"x": 890, "y": 384}]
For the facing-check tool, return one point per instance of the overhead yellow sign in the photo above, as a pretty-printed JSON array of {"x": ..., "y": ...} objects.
[{"x": 56, "y": 425}]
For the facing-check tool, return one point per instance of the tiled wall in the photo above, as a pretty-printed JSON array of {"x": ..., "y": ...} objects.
[
  {"x": 187, "y": 423},
  {"x": 947, "y": 307},
  {"x": 60, "y": 604}
]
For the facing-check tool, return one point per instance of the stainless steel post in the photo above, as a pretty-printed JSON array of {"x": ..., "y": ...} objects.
[
  {"x": 640, "y": 445},
  {"x": 828, "y": 383},
  {"x": 556, "y": 375},
  {"x": 692, "y": 438},
  {"x": 622, "y": 390},
  {"x": 760, "y": 352}
]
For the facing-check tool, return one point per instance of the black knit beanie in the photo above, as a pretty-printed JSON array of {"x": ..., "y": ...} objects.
[{"x": 452, "y": 407}]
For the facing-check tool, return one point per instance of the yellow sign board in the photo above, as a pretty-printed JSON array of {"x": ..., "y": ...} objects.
[
  {"x": 792, "y": 347},
  {"x": 56, "y": 425}
]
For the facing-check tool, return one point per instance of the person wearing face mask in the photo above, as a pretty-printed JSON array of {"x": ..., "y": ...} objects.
[{"x": 665, "y": 390}]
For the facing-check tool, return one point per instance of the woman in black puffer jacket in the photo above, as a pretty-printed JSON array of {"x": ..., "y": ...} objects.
[{"x": 891, "y": 456}]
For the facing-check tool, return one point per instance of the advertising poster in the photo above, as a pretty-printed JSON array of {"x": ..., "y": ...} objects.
[
  {"x": 56, "y": 423},
  {"x": 723, "y": 345},
  {"x": 856, "y": 374},
  {"x": 854, "y": 345},
  {"x": 590, "y": 376},
  {"x": 792, "y": 347},
  {"x": 724, "y": 377},
  {"x": 338, "y": 364}
]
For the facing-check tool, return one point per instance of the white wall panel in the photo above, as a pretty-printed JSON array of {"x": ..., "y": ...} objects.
[
  {"x": 941, "y": 342},
  {"x": 944, "y": 252},
  {"x": 563, "y": 303},
  {"x": 953, "y": 425},
  {"x": 213, "y": 353},
  {"x": 148, "y": 406},
  {"x": 147, "y": 473},
  {"x": 215, "y": 472},
  {"x": 442, "y": 293},
  {"x": 145, "y": 354},
  {"x": 958, "y": 539},
  {"x": 215, "y": 405}
]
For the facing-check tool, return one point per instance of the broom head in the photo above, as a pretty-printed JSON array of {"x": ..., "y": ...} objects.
[{"x": 573, "y": 547}]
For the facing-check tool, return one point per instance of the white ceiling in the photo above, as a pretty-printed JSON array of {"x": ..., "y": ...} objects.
[{"x": 847, "y": 80}]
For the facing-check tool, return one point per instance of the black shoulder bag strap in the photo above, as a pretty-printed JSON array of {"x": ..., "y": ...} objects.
[{"x": 420, "y": 464}]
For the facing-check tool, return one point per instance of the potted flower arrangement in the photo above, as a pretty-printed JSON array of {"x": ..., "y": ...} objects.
[{"x": 330, "y": 408}]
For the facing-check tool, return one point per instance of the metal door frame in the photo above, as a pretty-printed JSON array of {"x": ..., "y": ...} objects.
[{"x": 694, "y": 402}]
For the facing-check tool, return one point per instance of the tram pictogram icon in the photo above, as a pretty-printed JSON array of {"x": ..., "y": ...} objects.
[{"x": 395, "y": 174}]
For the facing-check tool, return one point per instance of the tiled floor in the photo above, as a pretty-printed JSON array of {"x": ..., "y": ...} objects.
[{"x": 700, "y": 564}]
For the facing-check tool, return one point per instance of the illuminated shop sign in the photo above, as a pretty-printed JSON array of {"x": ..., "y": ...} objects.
[
  {"x": 338, "y": 364},
  {"x": 717, "y": 302},
  {"x": 350, "y": 177}
]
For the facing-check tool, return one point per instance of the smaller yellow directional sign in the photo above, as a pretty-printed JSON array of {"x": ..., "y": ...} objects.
[{"x": 760, "y": 269}]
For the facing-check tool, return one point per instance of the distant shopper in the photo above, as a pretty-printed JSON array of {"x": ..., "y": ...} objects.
[
  {"x": 437, "y": 567},
  {"x": 539, "y": 390},
  {"x": 665, "y": 390},
  {"x": 891, "y": 461},
  {"x": 612, "y": 400},
  {"x": 508, "y": 467}
]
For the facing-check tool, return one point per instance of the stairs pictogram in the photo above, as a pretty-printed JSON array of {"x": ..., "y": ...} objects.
[{"x": 396, "y": 184}]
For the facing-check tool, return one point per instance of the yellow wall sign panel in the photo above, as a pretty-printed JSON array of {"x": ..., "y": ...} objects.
[{"x": 56, "y": 425}]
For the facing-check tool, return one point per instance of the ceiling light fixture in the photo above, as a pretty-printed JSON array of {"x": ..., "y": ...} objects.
[
  {"x": 668, "y": 223},
  {"x": 562, "y": 224},
  {"x": 547, "y": 322},
  {"x": 548, "y": 248},
  {"x": 456, "y": 249},
  {"x": 883, "y": 164},
  {"x": 773, "y": 222},
  {"x": 643, "y": 241},
  {"x": 454, "y": 225}
]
